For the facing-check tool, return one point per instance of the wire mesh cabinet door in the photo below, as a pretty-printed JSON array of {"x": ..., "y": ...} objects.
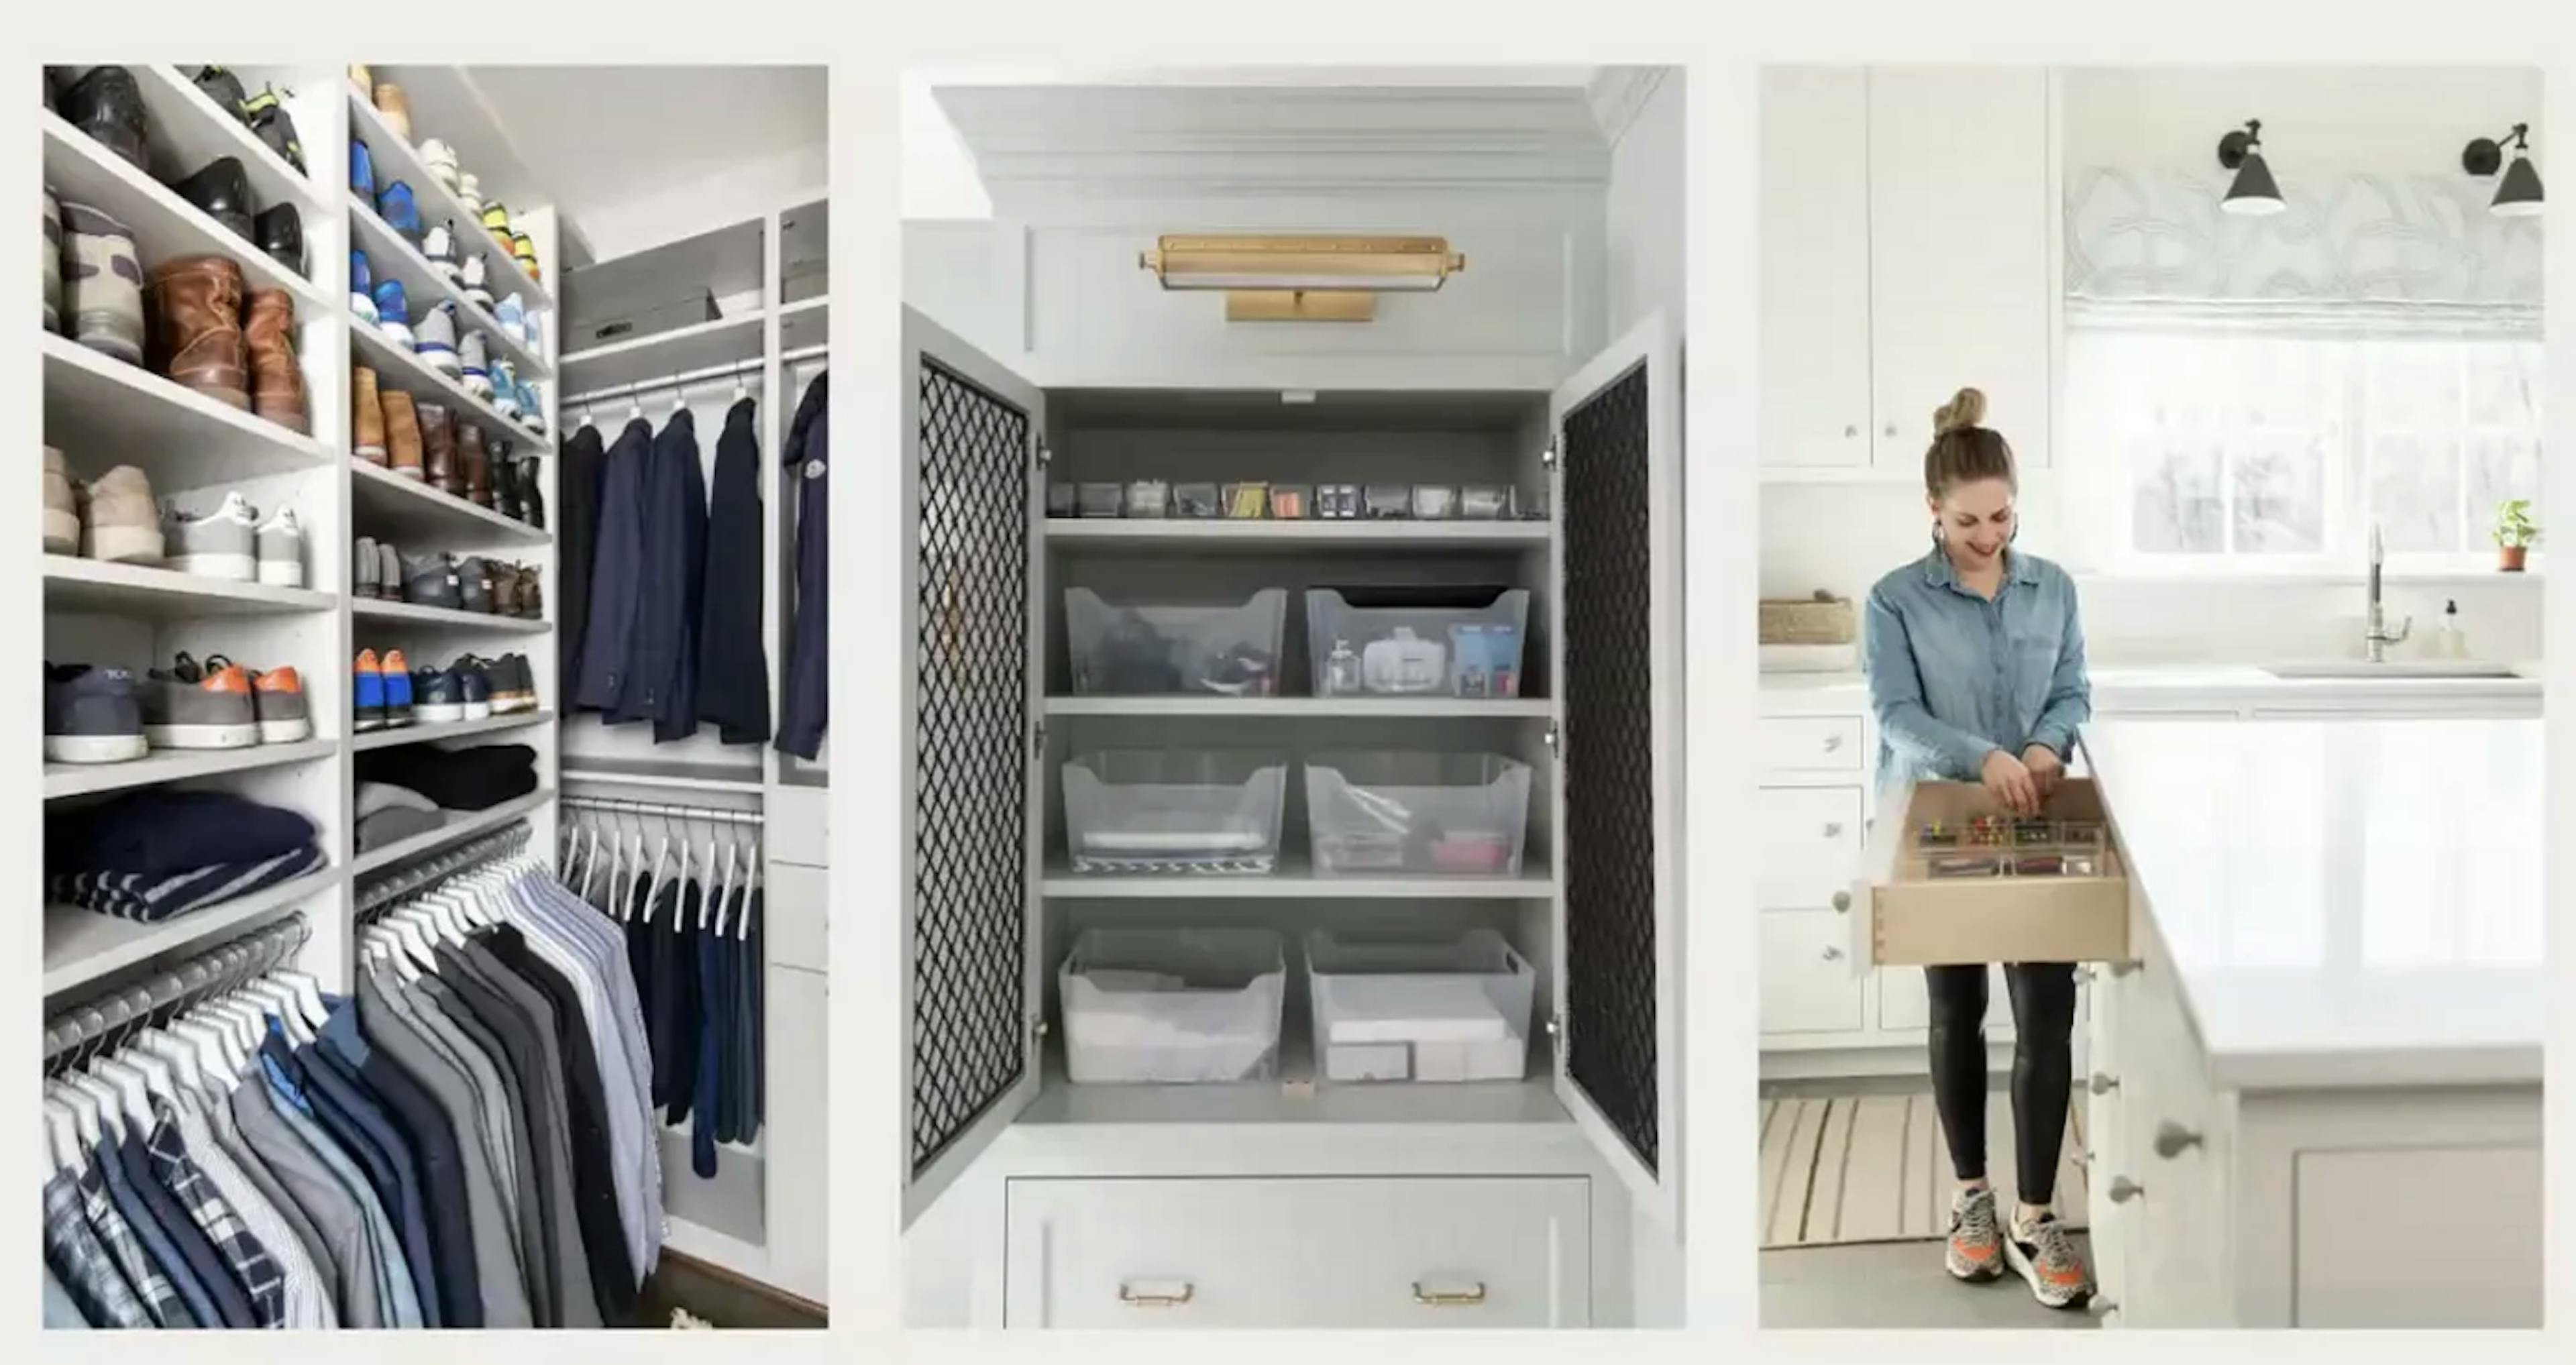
[
  {"x": 1618, "y": 664},
  {"x": 973, "y": 499}
]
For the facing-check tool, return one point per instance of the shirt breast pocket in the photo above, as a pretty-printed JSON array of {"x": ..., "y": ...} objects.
[{"x": 2035, "y": 666}]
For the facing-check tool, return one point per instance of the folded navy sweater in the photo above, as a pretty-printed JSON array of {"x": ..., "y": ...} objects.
[{"x": 159, "y": 833}]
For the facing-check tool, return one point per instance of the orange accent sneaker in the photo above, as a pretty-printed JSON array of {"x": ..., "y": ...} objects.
[
  {"x": 2045, "y": 1255},
  {"x": 397, "y": 689},
  {"x": 1975, "y": 1252},
  {"x": 367, "y": 693},
  {"x": 284, "y": 717}
]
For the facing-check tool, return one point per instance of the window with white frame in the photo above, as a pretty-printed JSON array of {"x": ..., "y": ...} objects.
[{"x": 2279, "y": 449}]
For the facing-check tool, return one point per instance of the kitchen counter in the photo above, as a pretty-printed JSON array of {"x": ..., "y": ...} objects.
[
  {"x": 2171, "y": 687},
  {"x": 2344, "y": 903}
]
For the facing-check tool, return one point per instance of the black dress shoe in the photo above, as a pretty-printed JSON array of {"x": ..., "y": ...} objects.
[
  {"x": 222, "y": 189},
  {"x": 281, "y": 235},
  {"x": 108, "y": 105},
  {"x": 532, "y": 497},
  {"x": 223, "y": 88}
]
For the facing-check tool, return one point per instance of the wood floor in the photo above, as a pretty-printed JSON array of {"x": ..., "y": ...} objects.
[{"x": 1838, "y": 1169}]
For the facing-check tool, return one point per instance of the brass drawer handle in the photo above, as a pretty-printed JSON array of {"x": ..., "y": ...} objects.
[
  {"x": 1133, "y": 1299},
  {"x": 2172, "y": 1139},
  {"x": 1466, "y": 1299},
  {"x": 2123, "y": 1189}
]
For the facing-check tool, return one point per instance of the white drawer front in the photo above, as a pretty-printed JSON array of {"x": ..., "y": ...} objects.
[
  {"x": 1810, "y": 846},
  {"x": 1807, "y": 980},
  {"x": 800, "y": 825},
  {"x": 1808, "y": 744},
  {"x": 797, "y": 910},
  {"x": 1299, "y": 1253}
]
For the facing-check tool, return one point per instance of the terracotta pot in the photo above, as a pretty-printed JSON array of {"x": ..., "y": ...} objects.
[{"x": 2510, "y": 558}]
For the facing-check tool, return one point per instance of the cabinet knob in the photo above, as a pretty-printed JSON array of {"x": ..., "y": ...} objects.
[
  {"x": 1833, "y": 743},
  {"x": 1132, "y": 1299},
  {"x": 1842, "y": 902},
  {"x": 1851, "y": 430},
  {"x": 1467, "y": 1298},
  {"x": 2103, "y": 1085},
  {"x": 2123, "y": 1189},
  {"x": 1891, "y": 428},
  {"x": 2123, "y": 968},
  {"x": 2172, "y": 1139},
  {"x": 1833, "y": 829},
  {"x": 1833, "y": 954},
  {"x": 2084, "y": 974}
]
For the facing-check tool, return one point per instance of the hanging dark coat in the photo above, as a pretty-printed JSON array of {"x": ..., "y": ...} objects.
[
  {"x": 733, "y": 668},
  {"x": 804, "y": 707}
]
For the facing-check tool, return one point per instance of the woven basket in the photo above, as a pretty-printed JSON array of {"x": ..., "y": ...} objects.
[{"x": 1823, "y": 619}]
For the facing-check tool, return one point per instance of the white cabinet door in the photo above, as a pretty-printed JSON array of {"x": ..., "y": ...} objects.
[
  {"x": 1807, "y": 987},
  {"x": 1960, "y": 269},
  {"x": 1815, "y": 230},
  {"x": 973, "y": 594},
  {"x": 798, "y": 1205},
  {"x": 1446, "y": 1253},
  {"x": 1810, "y": 846},
  {"x": 2473, "y": 1256}
]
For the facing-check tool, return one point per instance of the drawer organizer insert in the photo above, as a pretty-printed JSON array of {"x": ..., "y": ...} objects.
[{"x": 1955, "y": 879}]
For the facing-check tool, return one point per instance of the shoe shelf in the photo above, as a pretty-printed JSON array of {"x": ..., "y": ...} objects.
[
  {"x": 100, "y": 411},
  {"x": 1339, "y": 708},
  {"x": 171, "y": 765},
  {"x": 1197, "y": 536},
  {"x": 82, "y": 945},
  {"x": 400, "y": 367},
  {"x": 389, "y": 257},
  {"x": 646, "y": 359},
  {"x": 805, "y": 324},
  {"x": 96, "y": 587},
  {"x": 1295, "y": 880},
  {"x": 460, "y": 826},
  {"x": 390, "y": 506},
  {"x": 164, "y": 225},
  {"x": 189, "y": 130},
  {"x": 396, "y": 159},
  {"x": 443, "y": 618},
  {"x": 422, "y": 732}
]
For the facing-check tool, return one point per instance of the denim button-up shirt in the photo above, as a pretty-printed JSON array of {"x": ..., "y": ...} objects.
[{"x": 1954, "y": 676}]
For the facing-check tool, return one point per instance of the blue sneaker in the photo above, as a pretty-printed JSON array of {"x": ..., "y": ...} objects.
[
  {"x": 505, "y": 389},
  {"x": 362, "y": 170},
  {"x": 400, "y": 213},
  {"x": 369, "y": 701},
  {"x": 362, "y": 288},
  {"x": 393, "y": 315}
]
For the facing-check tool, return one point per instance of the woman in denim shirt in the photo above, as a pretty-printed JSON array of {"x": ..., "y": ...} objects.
[{"x": 1976, "y": 674}]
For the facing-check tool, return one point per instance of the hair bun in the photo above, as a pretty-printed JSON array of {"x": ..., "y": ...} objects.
[{"x": 1964, "y": 410}]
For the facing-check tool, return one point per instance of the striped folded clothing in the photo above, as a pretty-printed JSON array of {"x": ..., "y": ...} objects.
[{"x": 151, "y": 897}]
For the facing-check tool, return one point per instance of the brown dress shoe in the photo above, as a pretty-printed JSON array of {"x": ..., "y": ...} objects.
[
  {"x": 402, "y": 433},
  {"x": 366, "y": 416},
  {"x": 276, "y": 377},
  {"x": 473, "y": 463},
  {"x": 438, "y": 446},
  {"x": 195, "y": 314}
]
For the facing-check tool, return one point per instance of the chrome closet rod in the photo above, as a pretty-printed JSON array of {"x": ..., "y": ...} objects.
[
  {"x": 439, "y": 867},
  {"x": 671, "y": 381},
  {"x": 211, "y": 972},
  {"x": 712, "y": 814}
]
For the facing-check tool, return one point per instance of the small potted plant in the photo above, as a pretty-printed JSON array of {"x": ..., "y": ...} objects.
[{"x": 2515, "y": 534}]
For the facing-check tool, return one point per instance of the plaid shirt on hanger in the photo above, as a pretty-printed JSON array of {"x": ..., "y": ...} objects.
[
  {"x": 250, "y": 1262},
  {"x": 159, "y": 1298},
  {"x": 93, "y": 1279}
]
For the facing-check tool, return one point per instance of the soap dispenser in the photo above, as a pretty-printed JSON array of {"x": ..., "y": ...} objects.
[{"x": 2448, "y": 641}]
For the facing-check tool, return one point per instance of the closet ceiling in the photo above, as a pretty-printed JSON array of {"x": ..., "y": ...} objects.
[{"x": 632, "y": 156}]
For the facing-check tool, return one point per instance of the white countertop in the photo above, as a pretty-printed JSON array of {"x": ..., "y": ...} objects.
[
  {"x": 2344, "y": 903},
  {"x": 2176, "y": 687}
]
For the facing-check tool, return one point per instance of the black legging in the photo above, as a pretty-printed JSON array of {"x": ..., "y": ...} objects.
[{"x": 2043, "y": 1006}]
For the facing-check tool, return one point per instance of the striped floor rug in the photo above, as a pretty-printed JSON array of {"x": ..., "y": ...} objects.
[{"x": 1839, "y": 1169}]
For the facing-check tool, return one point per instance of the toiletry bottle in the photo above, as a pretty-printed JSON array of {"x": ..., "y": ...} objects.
[
  {"x": 2449, "y": 642},
  {"x": 1342, "y": 671}
]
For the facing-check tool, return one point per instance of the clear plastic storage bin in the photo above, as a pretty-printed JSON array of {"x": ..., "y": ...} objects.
[
  {"x": 1158, "y": 649},
  {"x": 1391, "y": 1009},
  {"x": 1417, "y": 641},
  {"x": 1174, "y": 810},
  {"x": 1380, "y": 814},
  {"x": 1173, "y": 1005}
]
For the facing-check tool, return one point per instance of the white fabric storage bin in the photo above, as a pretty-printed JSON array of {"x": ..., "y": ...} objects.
[
  {"x": 1396, "y": 1009},
  {"x": 1174, "y": 810},
  {"x": 1173, "y": 1005},
  {"x": 1416, "y": 641},
  {"x": 1150, "y": 649},
  {"x": 1424, "y": 814}
]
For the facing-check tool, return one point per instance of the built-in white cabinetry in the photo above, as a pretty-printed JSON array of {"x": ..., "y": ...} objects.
[{"x": 1907, "y": 251}]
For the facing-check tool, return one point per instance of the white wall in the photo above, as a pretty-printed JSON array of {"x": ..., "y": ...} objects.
[
  {"x": 1648, "y": 241},
  {"x": 2394, "y": 119}
]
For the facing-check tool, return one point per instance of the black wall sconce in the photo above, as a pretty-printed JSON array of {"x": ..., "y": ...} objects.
[
  {"x": 2254, "y": 194},
  {"x": 2519, "y": 195}
]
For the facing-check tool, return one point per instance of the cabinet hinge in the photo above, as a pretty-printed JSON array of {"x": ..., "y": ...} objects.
[
  {"x": 1040, "y": 451},
  {"x": 1037, "y": 742},
  {"x": 1555, "y": 740},
  {"x": 1553, "y": 454},
  {"x": 1556, "y": 1030}
]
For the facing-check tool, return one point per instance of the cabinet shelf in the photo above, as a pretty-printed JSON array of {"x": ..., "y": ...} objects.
[
  {"x": 1216, "y": 535},
  {"x": 433, "y": 731},
  {"x": 390, "y": 257},
  {"x": 90, "y": 585},
  {"x": 412, "y": 510},
  {"x": 1337, "y": 708},
  {"x": 1295, "y": 879},
  {"x": 400, "y": 367},
  {"x": 101, "y": 411},
  {"x": 462, "y": 825},
  {"x": 82, "y": 170},
  {"x": 82, "y": 945},
  {"x": 189, "y": 130},
  {"x": 443, "y": 618},
  {"x": 170, "y": 765},
  {"x": 396, "y": 159},
  {"x": 647, "y": 359},
  {"x": 1297, "y": 1096}
]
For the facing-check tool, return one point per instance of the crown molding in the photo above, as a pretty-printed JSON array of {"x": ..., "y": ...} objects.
[{"x": 1618, "y": 94}]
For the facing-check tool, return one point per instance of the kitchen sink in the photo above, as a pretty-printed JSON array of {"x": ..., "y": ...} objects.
[{"x": 2403, "y": 668}]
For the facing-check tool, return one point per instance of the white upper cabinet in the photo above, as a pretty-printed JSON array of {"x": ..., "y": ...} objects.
[{"x": 1906, "y": 253}]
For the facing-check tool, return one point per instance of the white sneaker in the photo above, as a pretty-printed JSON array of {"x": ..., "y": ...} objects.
[
  {"x": 281, "y": 550},
  {"x": 221, "y": 544}
]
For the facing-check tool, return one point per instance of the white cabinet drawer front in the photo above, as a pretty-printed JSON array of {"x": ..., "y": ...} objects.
[
  {"x": 796, "y": 930},
  {"x": 1299, "y": 1253},
  {"x": 1810, "y": 844},
  {"x": 2467, "y": 1254},
  {"x": 1808, "y": 744},
  {"x": 800, "y": 825},
  {"x": 1807, "y": 980}
]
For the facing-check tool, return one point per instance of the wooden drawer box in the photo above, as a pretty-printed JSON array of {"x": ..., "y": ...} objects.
[{"x": 1907, "y": 915}]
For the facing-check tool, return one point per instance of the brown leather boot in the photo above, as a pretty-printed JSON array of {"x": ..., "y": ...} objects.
[
  {"x": 276, "y": 377},
  {"x": 366, "y": 416},
  {"x": 438, "y": 446},
  {"x": 473, "y": 463},
  {"x": 196, "y": 327},
  {"x": 532, "y": 601},
  {"x": 402, "y": 433},
  {"x": 505, "y": 589}
]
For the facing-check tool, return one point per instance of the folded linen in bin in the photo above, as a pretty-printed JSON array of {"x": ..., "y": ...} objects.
[{"x": 1415, "y": 1010}]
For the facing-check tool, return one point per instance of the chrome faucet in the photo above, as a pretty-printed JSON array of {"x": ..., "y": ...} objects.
[{"x": 2376, "y": 639}]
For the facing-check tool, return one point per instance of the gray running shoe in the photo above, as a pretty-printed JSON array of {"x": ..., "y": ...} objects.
[
  {"x": 431, "y": 580},
  {"x": 1975, "y": 1252},
  {"x": 221, "y": 544},
  {"x": 2045, "y": 1255},
  {"x": 92, "y": 715},
  {"x": 389, "y": 579},
  {"x": 188, "y": 707}
]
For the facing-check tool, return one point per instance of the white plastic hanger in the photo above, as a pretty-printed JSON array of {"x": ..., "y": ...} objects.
[
  {"x": 179, "y": 1056},
  {"x": 680, "y": 900},
  {"x": 62, "y": 1138},
  {"x": 133, "y": 1089},
  {"x": 278, "y": 1000},
  {"x": 158, "y": 1078},
  {"x": 724, "y": 892},
  {"x": 308, "y": 996},
  {"x": 111, "y": 1110},
  {"x": 661, "y": 859},
  {"x": 83, "y": 1107},
  {"x": 208, "y": 1044}
]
